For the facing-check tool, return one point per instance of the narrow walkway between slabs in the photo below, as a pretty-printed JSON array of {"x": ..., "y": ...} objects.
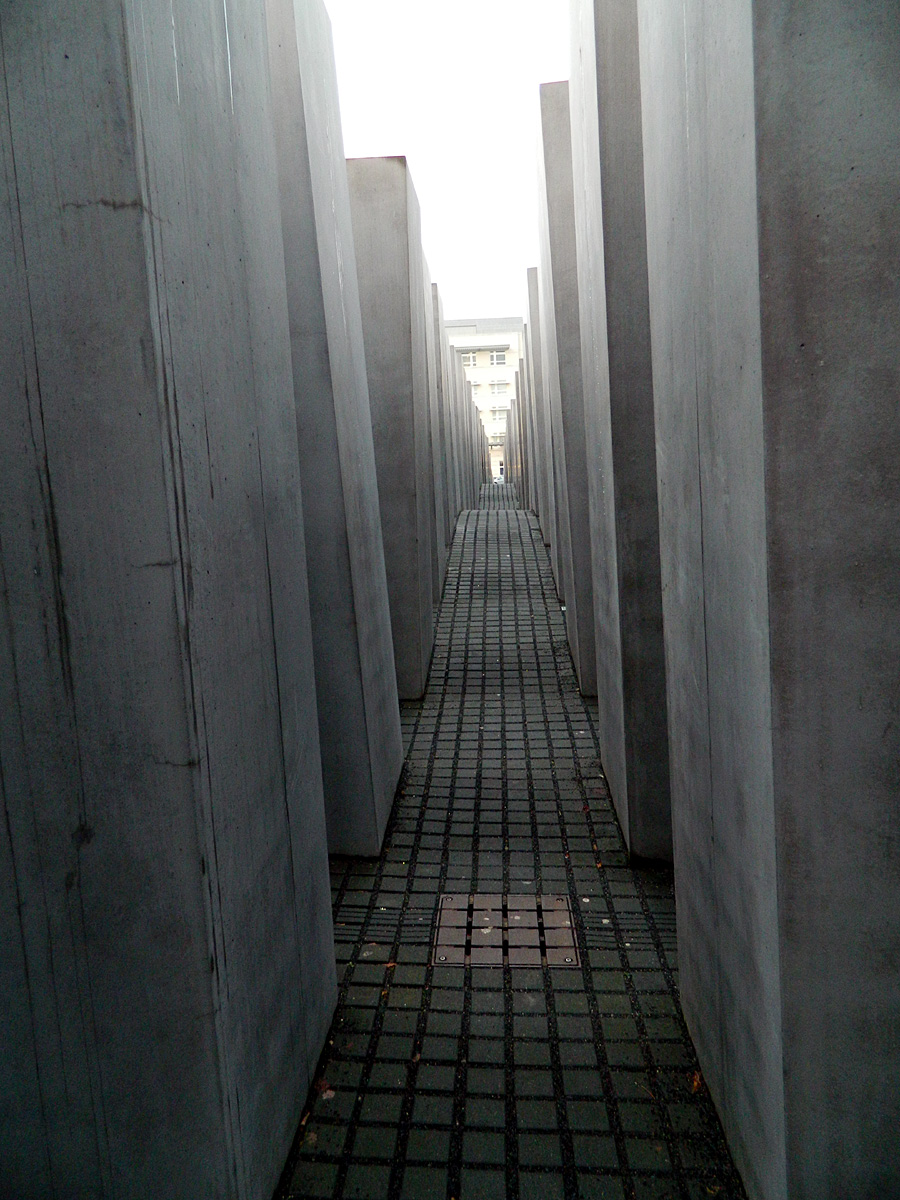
[{"x": 508, "y": 1023}]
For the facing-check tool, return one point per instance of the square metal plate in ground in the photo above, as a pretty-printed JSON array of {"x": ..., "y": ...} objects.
[{"x": 496, "y": 929}]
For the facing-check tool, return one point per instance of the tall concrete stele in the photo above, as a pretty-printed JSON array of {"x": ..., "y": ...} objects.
[
  {"x": 561, "y": 361},
  {"x": 167, "y": 974},
  {"x": 771, "y": 137},
  {"x": 359, "y": 714},
  {"x": 544, "y": 489},
  {"x": 620, "y": 433},
  {"x": 398, "y": 317}
]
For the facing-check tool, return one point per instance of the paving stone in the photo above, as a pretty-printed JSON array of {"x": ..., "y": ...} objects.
[
  {"x": 423, "y": 1183},
  {"x": 366, "y": 1182},
  {"x": 486, "y": 1081},
  {"x": 312, "y": 1180},
  {"x": 429, "y": 1145},
  {"x": 479, "y": 1146},
  {"x": 374, "y": 1141}
]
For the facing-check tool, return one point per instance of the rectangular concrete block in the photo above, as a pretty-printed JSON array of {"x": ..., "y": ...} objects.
[
  {"x": 608, "y": 169},
  {"x": 561, "y": 360},
  {"x": 772, "y": 165},
  {"x": 167, "y": 971},
  {"x": 359, "y": 715},
  {"x": 396, "y": 321}
]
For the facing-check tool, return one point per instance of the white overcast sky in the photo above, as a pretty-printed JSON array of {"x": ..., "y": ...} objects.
[{"x": 454, "y": 87}]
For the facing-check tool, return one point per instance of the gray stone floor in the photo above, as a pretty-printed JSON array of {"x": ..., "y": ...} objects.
[{"x": 533, "y": 1083}]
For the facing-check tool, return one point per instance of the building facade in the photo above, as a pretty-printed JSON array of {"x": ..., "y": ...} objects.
[{"x": 491, "y": 348}]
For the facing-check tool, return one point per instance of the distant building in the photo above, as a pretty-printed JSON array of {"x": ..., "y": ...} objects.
[{"x": 491, "y": 348}]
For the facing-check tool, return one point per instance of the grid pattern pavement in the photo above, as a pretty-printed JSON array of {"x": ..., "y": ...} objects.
[{"x": 528, "y": 1083}]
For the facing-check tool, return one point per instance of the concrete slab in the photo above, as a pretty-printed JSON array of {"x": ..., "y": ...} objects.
[
  {"x": 771, "y": 149},
  {"x": 561, "y": 361},
  {"x": 359, "y": 716},
  {"x": 608, "y": 169},
  {"x": 164, "y": 821},
  {"x": 387, "y": 235}
]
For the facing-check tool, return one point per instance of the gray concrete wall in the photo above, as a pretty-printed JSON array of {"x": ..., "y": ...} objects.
[
  {"x": 561, "y": 360},
  {"x": 164, "y": 825},
  {"x": 387, "y": 235},
  {"x": 772, "y": 169},
  {"x": 359, "y": 716},
  {"x": 608, "y": 169}
]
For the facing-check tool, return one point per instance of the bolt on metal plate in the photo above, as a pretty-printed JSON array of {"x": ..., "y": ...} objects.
[{"x": 496, "y": 929}]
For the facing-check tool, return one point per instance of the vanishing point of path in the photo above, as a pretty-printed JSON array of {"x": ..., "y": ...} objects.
[{"x": 564, "y": 1070}]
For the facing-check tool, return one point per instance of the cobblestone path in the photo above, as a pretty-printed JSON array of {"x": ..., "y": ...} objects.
[{"x": 529, "y": 1082}]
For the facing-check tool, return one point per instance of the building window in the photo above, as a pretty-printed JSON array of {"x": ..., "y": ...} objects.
[
  {"x": 498, "y": 358},
  {"x": 470, "y": 359},
  {"x": 499, "y": 387}
]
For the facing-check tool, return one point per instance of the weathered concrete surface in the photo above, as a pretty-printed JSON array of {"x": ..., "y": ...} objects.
[
  {"x": 391, "y": 270},
  {"x": 828, "y": 147},
  {"x": 772, "y": 144},
  {"x": 359, "y": 716},
  {"x": 561, "y": 360},
  {"x": 608, "y": 169},
  {"x": 164, "y": 826},
  {"x": 710, "y": 446}
]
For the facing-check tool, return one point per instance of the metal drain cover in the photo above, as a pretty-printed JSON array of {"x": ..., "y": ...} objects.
[{"x": 485, "y": 929}]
